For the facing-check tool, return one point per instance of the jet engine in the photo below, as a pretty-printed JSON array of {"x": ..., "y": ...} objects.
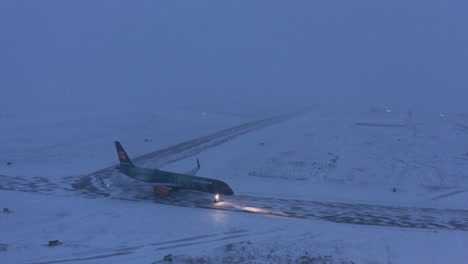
[{"x": 162, "y": 191}]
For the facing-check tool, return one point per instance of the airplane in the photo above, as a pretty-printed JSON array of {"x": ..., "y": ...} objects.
[{"x": 165, "y": 182}]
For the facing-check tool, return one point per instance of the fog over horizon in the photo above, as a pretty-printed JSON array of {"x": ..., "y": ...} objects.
[{"x": 130, "y": 54}]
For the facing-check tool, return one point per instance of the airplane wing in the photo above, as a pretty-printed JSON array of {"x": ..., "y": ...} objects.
[
  {"x": 194, "y": 171},
  {"x": 170, "y": 185}
]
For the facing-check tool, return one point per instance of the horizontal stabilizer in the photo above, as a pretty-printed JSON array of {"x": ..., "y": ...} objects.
[{"x": 100, "y": 179}]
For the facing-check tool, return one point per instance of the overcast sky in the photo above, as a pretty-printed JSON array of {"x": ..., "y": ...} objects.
[{"x": 85, "y": 53}]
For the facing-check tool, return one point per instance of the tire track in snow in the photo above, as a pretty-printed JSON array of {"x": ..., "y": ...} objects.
[{"x": 192, "y": 147}]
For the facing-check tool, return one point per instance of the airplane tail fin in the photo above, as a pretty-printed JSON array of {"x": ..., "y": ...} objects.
[{"x": 123, "y": 157}]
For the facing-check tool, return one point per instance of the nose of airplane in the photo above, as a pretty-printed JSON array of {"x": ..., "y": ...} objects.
[
  {"x": 228, "y": 191},
  {"x": 223, "y": 188}
]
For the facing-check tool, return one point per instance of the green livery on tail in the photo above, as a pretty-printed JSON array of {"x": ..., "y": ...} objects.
[{"x": 170, "y": 181}]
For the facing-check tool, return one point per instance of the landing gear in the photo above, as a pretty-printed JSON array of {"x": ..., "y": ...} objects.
[{"x": 216, "y": 198}]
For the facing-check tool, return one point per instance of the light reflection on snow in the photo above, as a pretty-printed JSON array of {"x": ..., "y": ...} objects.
[
  {"x": 218, "y": 216},
  {"x": 250, "y": 209}
]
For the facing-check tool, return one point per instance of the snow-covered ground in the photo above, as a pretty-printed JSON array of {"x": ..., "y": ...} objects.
[{"x": 326, "y": 156}]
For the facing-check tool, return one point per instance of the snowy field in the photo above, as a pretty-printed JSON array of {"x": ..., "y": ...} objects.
[{"x": 319, "y": 190}]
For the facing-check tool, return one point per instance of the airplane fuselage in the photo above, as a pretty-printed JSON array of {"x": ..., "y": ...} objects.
[{"x": 178, "y": 180}]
